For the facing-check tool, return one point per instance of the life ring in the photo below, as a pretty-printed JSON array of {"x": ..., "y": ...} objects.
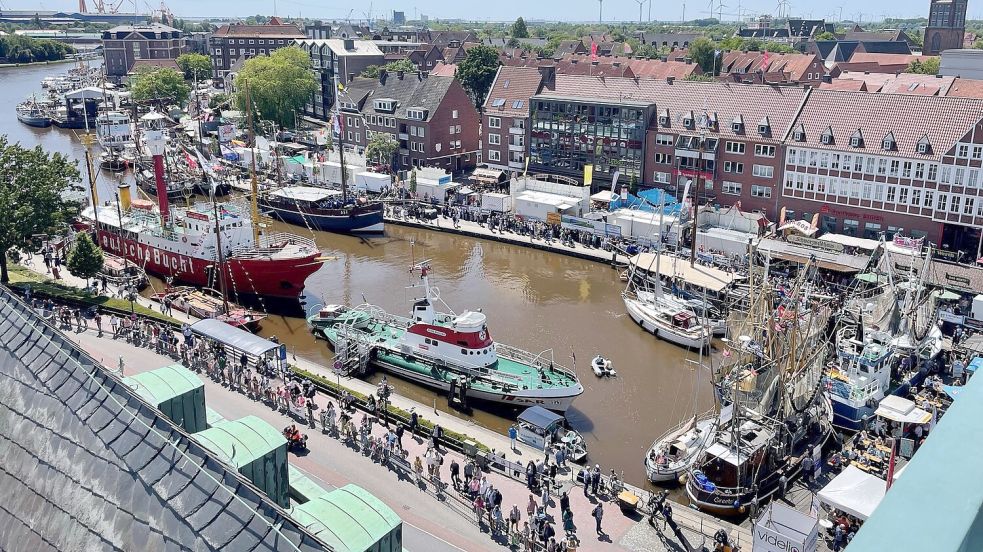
[{"x": 184, "y": 239}]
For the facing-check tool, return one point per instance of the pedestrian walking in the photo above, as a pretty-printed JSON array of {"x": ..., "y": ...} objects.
[
  {"x": 399, "y": 436},
  {"x": 437, "y": 433},
  {"x": 568, "y": 526},
  {"x": 514, "y": 517},
  {"x": 598, "y": 514},
  {"x": 807, "y": 470},
  {"x": 545, "y": 497},
  {"x": 838, "y": 537},
  {"x": 530, "y": 474},
  {"x": 479, "y": 509},
  {"x": 455, "y": 474},
  {"x": 531, "y": 507},
  {"x": 595, "y": 479},
  {"x": 498, "y": 520},
  {"x": 98, "y": 320},
  {"x": 527, "y": 539},
  {"x": 513, "y": 433},
  {"x": 564, "y": 502},
  {"x": 414, "y": 423}
]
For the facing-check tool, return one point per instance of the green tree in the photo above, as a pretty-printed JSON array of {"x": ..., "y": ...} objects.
[
  {"x": 279, "y": 84},
  {"x": 85, "y": 259},
  {"x": 413, "y": 182},
  {"x": 381, "y": 147},
  {"x": 477, "y": 72},
  {"x": 703, "y": 53},
  {"x": 162, "y": 85},
  {"x": 519, "y": 29},
  {"x": 31, "y": 183},
  {"x": 633, "y": 184},
  {"x": 513, "y": 43},
  {"x": 218, "y": 101},
  {"x": 926, "y": 66},
  {"x": 826, "y": 36},
  {"x": 404, "y": 65},
  {"x": 195, "y": 66}
]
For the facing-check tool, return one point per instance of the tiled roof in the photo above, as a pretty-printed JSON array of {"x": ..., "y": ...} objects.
[
  {"x": 411, "y": 91},
  {"x": 943, "y": 120},
  {"x": 844, "y": 84},
  {"x": 884, "y": 59},
  {"x": 443, "y": 70},
  {"x": 511, "y": 86},
  {"x": 658, "y": 69},
  {"x": 796, "y": 65},
  {"x": 279, "y": 31},
  {"x": 609, "y": 66},
  {"x": 871, "y": 67},
  {"x": 885, "y": 47},
  {"x": 89, "y": 465},
  {"x": 966, "y": 88},
  {"x": 902, "y": 83},
  {"x": 724, "y": 101}
]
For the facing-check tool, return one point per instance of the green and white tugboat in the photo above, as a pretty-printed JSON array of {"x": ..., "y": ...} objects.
[{"x": 450, "y": 352}]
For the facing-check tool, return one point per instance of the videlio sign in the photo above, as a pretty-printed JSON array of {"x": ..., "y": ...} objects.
[
  {"x": 781, "y": 529},
  {"x": 768, "y": 540}
]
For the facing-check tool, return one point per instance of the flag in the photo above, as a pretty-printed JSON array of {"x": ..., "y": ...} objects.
[
  {"x": 764, "y": 62},
  {"x": 588, "y": 175},
  {"x": 593, "y": 50},
  {"x": 336, "y": 125},
  {"x": 191, "y": 162},
  {"x": 890, "y": 466},
  {"x": 614, "y": 181}
]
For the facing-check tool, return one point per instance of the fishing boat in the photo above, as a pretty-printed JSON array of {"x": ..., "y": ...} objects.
[
  {"x": 450, "y": 352},
  {"x": 34, "y": 113},
  {"x": 176, "y": 186},
  {"x": 773, "y": 381},
  {"x": 323, "y": 209},
  {"x": 209, "y": 303},
  {"x": 861, "y": 375},
  {"x": 540, "y": 428}
]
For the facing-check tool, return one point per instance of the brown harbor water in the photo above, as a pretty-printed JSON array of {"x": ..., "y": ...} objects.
[{"x": 534, "y": 300}]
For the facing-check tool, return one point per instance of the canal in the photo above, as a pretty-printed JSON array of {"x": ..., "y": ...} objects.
[{"x": 533, "y": 299}]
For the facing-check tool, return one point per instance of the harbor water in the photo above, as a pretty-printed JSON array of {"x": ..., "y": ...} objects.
[{"x": 534, "y": 300}]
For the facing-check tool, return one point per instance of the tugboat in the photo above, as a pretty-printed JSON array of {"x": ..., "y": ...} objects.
[{"x": 450, "y": 352}]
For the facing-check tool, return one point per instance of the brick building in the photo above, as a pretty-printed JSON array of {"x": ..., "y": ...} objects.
[
  {"x": 125, "y": 45},
  {"x": 872, "y": 163},
  {"x": 946, "y": 26},
  {"x": 771, "y": 68},
  {"x": 505, "y": 118},
  {"x": 432, "y": 119},
  {"x": 237, "y": 41}
]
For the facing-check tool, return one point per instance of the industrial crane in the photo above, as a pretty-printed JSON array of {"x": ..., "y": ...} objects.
[{"x": 100, "y": 6}]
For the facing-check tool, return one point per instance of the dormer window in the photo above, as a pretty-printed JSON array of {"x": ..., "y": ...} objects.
[
  {"x": 416, "y": 114},
  {"x": 827, "y": 136},
  {"x": 888, "y": 144},
  {"x": 799, "y": 135},
  {"x": 737, "y": 125},
  {"x": 857, "y": 140},
  {"x": 386, "y": 105},
  {"x": 764, "y": 127},
  {"x": 924, "y": 147},
  {"x": 688, "y": 120},
  {"x": 664, "y": 118}
]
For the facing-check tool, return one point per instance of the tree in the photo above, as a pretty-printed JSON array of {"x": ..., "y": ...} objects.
[
  {"x": 31, "y": 183},
  {"x": 926, "y": 66},
  {"x": 279, "y": 84},
  {"x": 85, "y": 260},
  {"x": 381, "y": 147},
  {"x": 826, "y": 36},
  {"x": 161, "y": 85},
  {"x": 413, "y": 182},
  {"x": 404, "y": 65},
  {"x": 703, "y": 53},
  {"x": 513, "y": 43},
  {"x": 519, "y": 29},
  {"x": 633, "y": 184},
  {"x": 195, "y": 66},
  {"x": 477, "y": 72}
]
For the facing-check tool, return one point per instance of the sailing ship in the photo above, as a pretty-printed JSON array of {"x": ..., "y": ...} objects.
[
  {"x": 209, "y": 303},
  {"x": 773, "y": 382},
  {"x": 450, "y": 352}
]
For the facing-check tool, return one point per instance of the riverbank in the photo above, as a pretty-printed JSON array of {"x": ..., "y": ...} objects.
[{"x": 39, "y": 63}]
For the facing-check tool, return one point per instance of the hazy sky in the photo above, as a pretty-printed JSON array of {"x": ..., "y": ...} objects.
[{"x": 578, "y": 10}]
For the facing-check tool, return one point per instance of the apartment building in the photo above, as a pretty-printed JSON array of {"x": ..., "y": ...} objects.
[
  {"x": 236, "y": 41},
  {"x": 344, "y": 57},
  {"x": 126, "y": 45},
  {"x": 505, "y": 118},
  {"x": 432, "y": 118}
]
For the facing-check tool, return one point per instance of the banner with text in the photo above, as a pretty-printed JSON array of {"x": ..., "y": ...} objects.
[{"x": 597, "y": 227}]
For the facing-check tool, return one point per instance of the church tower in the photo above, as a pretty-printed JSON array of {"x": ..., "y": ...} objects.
[{"x": 946, "y": 26}]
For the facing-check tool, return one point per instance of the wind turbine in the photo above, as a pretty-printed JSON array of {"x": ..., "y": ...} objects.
[
  {"x": 640, "y": 4},
  {"x": 600, "y": 11}
]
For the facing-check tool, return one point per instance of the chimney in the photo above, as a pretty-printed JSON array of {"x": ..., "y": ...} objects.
[
  {"x": 548, "y": 75},
  {"x": 349, "y": 44},
  {"x": 399, "y": 75},
  {"x": 827, "y": 78},
  {"x": 382, "y": 76},
  {"x": 616, "y": 63},
  {"x": 670, "y": 79}
]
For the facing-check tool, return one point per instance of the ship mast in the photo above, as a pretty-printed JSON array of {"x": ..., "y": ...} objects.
[
  {"x": 220, "y": 258},
  {"x": 341, "y": 139},
  {"x": 254, "y": 207}
]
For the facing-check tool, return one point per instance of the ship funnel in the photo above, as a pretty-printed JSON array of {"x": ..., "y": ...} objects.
[{"x": 124, "y": 197}]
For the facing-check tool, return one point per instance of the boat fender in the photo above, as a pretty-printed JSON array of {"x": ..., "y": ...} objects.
[
  {"x": 682, "y": 479},
  {"x": 184, "y": 239},
  {"x": 872, "y": 403}
]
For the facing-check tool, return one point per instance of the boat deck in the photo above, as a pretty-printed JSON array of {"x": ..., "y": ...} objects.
[{"x": 505, "y": 372}]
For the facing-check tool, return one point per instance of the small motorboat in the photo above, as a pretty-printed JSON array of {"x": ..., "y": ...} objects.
[
  {"x": 541, "y": 428},
  {"x": 602, "y": 367}
]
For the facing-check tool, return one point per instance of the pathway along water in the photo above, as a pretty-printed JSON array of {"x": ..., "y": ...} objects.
[{"x": 534, "y": 300}]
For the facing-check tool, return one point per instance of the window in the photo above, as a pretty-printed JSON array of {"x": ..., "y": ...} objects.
[
  {"x": 261, "y": 41},
  {"x": 906, "y": 169},
  {"x": 870, "y": 165},
  {"x": 494, "y": 139},
  {"x": 895, "y": 166},
  {"x": 919, "y": 171},
  {"x": 735, "y": 147},
  {"x": 968, "y": 206},
  {"x": 888, "y": 144},
  {"x": 761, "y": 150},
  {"x": 892, "y": 194},
  {"x": 973, "y": 176},
  {"x": 251, "y": 41},
  {"x": 454, "y": 114},
  {"x": 760, "y": 191},
  {"x": 963, "y": 150},
  {"x": 858, "y": 164},
  {"x": 882, "y": 167},
  {"x": 835, "y": 162},
  {"x": 763, "y": 171},
  {"x": 733, "y": 167},
  {"x": 494, "y": 122},
  {"x": 868, "y": 187},
  {"x": 823, "y": 160},
  {"x": 799, "y": 135},
  {"x": 872, "y": 230},
  {"x": 916, "y": 197},
  {"x": 933, "y": 171},
  {"x": 412, "y": 131},
  {"x": 661, "y": 177},
  {"x": 850, "y": 227},
  {"x": 494, "y": 155},
  {"x": 790, "y": 158},
  {"x": 943, "y": 201},
  {"x": 923, "y": 147},
  {"x": 451, "y": 131},
  {"x": 731, "y": 188},
  {"x": 457, "y": 129},
  {"x": 415, "y": 114},
  {"x": 812, "y": 158},
  {"x": 956, "y": 203},
  {"x": 420, "y": 131},
  {"x": 664, "y": 158},
  {"x": 929, "y": 197},
  {"x": 977, "y": 152},
  {"x": 856, "y": 141},
  {"x": 903, "y": 198},
  {"x": 802, "y": 158},
  {"x": 663, "y": 139}
]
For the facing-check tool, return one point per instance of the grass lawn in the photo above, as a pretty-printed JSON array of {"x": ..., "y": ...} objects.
[{"x": 21, "y": 277}]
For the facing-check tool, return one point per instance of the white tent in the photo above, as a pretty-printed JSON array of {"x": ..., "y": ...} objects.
[
  {"x": 900, "y": 409},
  {"x": 854, "y": 491}
]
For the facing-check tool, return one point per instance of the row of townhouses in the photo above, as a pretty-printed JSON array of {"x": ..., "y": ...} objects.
[{"x": 865, "y": 163}]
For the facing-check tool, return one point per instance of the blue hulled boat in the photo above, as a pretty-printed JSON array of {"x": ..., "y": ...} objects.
[{"x": 323, "y": 209}]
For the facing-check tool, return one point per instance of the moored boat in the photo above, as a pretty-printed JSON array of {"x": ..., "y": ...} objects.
[
  {"x": 34, "y": 113},
  {"x": 209, "y": 303},
  {"x": 673, "y": 453},
  {"x": 450, "y": 352},
  {"x": 323, "y": 209},
  {"x": 666, "y": 319}
]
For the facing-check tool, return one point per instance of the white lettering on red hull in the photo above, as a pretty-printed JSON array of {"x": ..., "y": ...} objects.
[{"x": 144, "y": 254}]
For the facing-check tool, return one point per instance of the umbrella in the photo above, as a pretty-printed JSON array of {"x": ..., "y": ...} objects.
[
  {"x": 869, "y": 277},
  {"x": 946, "y": 295}
]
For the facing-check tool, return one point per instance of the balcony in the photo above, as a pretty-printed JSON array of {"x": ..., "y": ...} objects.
[
  {"x": 403, "y": 136},
  {"x": 516, "y": 165},
  {"x": 517, "y": 130},
  {"x": 404, "y": 151},
  {"x": 514, "y": 147}
]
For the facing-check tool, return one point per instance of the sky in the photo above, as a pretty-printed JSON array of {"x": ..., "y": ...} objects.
[{"x": 501, "y": 10}]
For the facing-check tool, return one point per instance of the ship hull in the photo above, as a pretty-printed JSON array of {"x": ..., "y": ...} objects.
[
  {"x": 851, "y": 417},
  {"x": 258, "y": 275},
  {"x": 36, "y": 122},
  {"x": 365, "y": 219},
  {"x": 642, "y": 319}
]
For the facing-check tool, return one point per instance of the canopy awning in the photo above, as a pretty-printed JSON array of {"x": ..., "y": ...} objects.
[
  {"x": 464, "y": 190},
  {"x": 855, "y": 492},
  {"x": 607, "y": 196},
  {"x": 539, "y": 416},
  {"x": 487, "y": 175},
  {"x": 851, "y": 241},
  {"x": 237, "y": 339},
  {"x": 871, "y": 278},
  {"x": 900, "y": 409},
  {"x": 946, "y": 295}
]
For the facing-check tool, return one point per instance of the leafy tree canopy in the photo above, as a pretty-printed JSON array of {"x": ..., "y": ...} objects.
[
  {"x": 161, "y": 85},
  {"x": 927, "y": 66},
  {"x": 85, "y": 259},
  {"x": 404, "y": 65},
  {"x": 195, "y": 66},
  {"x": 477, "y": 72},
  {"x": 381, "y": 147},
  {"x": 519, "y": 29},
  {"x": 31, "y": 183},
  {"x": 279, "y": 84}
]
